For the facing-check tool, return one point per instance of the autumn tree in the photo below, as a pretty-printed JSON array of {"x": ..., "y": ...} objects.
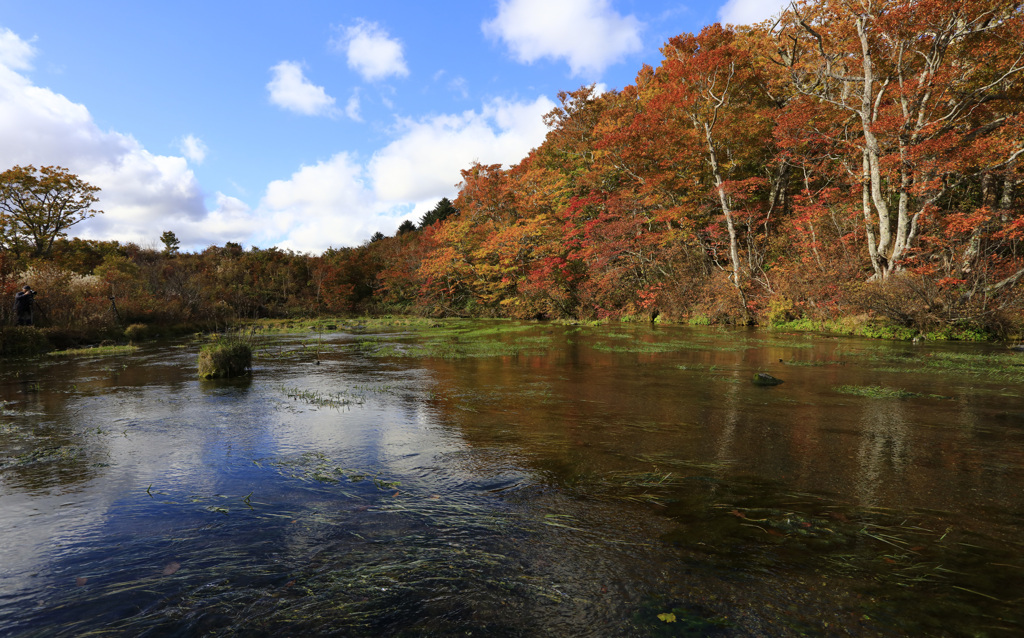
[
  {"x": 38, "y": 205},
  {"x": 925, "y": 86}
]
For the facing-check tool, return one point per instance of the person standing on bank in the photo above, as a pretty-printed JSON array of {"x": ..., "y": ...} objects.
[{"x": 23, "y": 305}]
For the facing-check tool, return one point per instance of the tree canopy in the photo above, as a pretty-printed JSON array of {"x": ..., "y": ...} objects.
[{"x": 38, "y": 205}]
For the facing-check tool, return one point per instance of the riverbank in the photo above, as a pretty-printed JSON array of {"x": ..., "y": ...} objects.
[{"x": 22, "y": 340}]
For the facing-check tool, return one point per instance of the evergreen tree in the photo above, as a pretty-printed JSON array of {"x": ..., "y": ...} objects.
[
  {"x": 442, "y": 211},
  {"x": 170, "y": 241}
]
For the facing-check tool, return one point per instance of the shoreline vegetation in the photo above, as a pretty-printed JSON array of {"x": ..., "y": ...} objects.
[
  {"x": 30, "y": 341},
  {"x": 843, "y": 170}
]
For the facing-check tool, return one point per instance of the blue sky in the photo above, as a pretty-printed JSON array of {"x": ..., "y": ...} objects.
[{"x": 309, "y": 124}]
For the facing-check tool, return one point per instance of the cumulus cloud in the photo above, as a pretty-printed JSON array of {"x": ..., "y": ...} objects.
[
  {"x": 342, "y": 202},
  {"x": 290, "y": 90},
  {"x": 750, "y": 11},
  {"x": 15, "y": 53},
  {"x": 425, "y": 160},
  {"x": 140, "y": 191},
  {"x": 588, "y": 34},
  {"x": 371, "y": 52},
  {"x": 193, "y": 148},
  {"x": 323, "y": 205},
  {"x": 337, "y": 202}
]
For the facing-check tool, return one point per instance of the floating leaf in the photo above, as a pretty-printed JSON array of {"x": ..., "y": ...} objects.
[
  {"x": 171, "y": 568},
  {"x": 669, "y": 617}
]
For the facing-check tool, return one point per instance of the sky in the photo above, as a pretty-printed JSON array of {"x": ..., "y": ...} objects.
[{"x": 310, "y": 124}]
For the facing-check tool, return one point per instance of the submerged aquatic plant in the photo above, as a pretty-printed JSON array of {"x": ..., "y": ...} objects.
[
  {"x": 324, "y": 399},
  {"x": 876, "y": 392}
]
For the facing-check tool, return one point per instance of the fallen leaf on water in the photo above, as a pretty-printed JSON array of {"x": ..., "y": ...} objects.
[
  {"x": 667, "y": 617},
  {"x": 81, "y": 580},
  {"x": 171, "y": 568}
]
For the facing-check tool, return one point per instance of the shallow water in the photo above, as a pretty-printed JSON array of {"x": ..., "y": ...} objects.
[{"x": 517, "y": 480}]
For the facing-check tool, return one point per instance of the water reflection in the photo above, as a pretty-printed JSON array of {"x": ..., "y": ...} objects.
[{"x": 883, "y": 449}]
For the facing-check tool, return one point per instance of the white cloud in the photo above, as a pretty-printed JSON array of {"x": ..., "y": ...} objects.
[
  {"x": 371, "y": 52},
  {"x": 140, "y": 191},
  {"x": 337, "y": 202},
  {"x": 352, "y": 107},
  {"x": 588, "y": 34},
  {"x": 290, "y": 90},
  {"x": 460, "y": 86},
  {"x": 15, "y": 53},
  {"x": 193, "y": 148},
  {"x": 425, "y": 161},
  {"x": 750, "y": 11},
  {"x": 319, "y": 206},
  {"x": 341, "y": 202}
]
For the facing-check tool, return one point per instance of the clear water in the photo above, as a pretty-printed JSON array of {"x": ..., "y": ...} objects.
[{"x": 605, "y": 481}]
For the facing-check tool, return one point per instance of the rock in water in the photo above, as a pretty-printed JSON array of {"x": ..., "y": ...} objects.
[{"x": 763, "y": 378}]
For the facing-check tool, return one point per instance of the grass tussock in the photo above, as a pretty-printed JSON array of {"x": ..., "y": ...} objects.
[
  {"x": 224, "y": 359},
  {"x": 98, "y": 351}
]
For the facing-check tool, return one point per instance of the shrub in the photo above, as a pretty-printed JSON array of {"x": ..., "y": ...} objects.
[
  {"x": 137, "y": 332},
  {"x": 22, "y": 340}
]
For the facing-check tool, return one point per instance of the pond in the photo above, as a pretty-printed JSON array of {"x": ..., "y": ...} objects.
[{"x": 505, "y": 479}]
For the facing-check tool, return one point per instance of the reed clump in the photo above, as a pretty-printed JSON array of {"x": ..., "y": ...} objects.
[{"x": 225, "y": 358}]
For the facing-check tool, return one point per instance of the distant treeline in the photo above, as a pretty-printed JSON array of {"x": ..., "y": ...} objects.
[{"x": 853, "y": 158}]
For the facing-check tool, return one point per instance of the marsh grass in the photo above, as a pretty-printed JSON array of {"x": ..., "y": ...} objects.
[
  {"x": 994, "y": 366},
  {"x": 345, "y": 324},
  {"x": 44, "y": 454},
  {"x": 97, "y": 351},
  {"x": 879, "y": 392},
  {"x": 676, "y": 345},
  {"x": 448, "y": 343}
]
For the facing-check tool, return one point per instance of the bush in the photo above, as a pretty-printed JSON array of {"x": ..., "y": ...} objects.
[
  {"x": 137, "y": 332},
  {"x": 225, "y": 358},
  {"x": 23, "y": 340},
  {"x": 781, "y": 310}
]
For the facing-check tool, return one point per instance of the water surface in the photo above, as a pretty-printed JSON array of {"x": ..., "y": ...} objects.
[{"x": 517, "y": 480}]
